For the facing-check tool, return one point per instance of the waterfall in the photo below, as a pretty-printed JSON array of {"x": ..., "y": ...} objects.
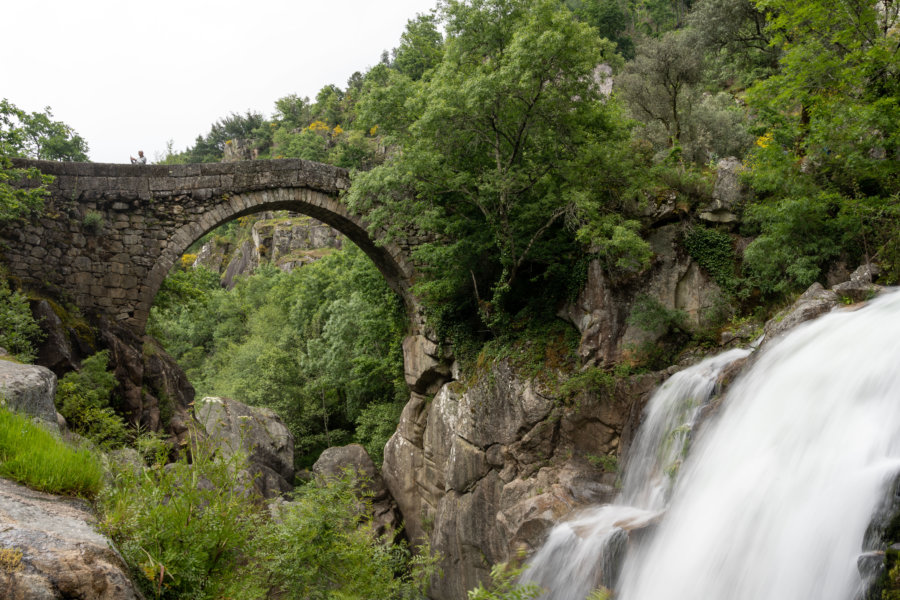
[
  {"x": 582, "y": 552},
  {"x": 774, "y": 498}
]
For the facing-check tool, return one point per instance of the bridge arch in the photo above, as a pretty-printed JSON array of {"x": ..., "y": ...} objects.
[{"x": 388, "y": 257}]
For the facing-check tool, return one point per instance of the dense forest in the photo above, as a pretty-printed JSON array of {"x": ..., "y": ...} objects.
[{"x": 522, "y": 140}]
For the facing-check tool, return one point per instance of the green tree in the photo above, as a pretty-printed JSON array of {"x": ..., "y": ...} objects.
[
  {"x": 495, "y": 158},
  {"x": 19, "y": 333},
  {"x": 826, "y": 160},
  {"x": 421, "y": 47},
  {"x": 658, "y": 83},
  {"x": 31, "y": 135},
  {"x": 612, "y": 20},
  {"x": 211, "y": 147},
  {"x": 36, "y": 135},
  {"x": 836, "y": 98}
]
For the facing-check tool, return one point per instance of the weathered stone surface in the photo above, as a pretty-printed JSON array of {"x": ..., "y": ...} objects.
[
  {"x": 336, "y": 461},
  {"x": 211, "y": 256},
  {"x": 62, "y": 554},
  {"x": 424, "y": 367},
  {"x": 728, "y": 194},
  {"x": 602, "y": 310},
  {"x": 56, "y": 351},
  {"x": 243, "y": 262},
  {"x": 860, "y": 285},
  {"x": 166, "y": 386},
  {"x": 814, "y": 302},
  {"x": 29, "y": 389},
  {"x": 259, "y": 432}
]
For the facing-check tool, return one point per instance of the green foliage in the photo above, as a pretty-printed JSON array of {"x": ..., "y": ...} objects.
[
  {"x": 420, "y": 49},
  {"x": 736, "y": 37},
  {"x": 617, "y": 243},
  {"x": 799, "y": 236},
  {"x": 714, "y": 251},
  {"x": 33, "y": 456},
  {"x": 185, "y": 286},
  {"x": 657, "y": 84},
  {"x": 306, "y": 144},
  {"x": 606, "y": 462},
  {"x": 93, "y": 221},
  {"x": 593, "y": 379},
  {"x": 667, "y": 332},
  {"x": 505, "y": 586},
  {"x": 320, "y": 546},
  {"x": 183, "y": 528},
  {"x": 828, "y": 120},
  {"x": 651, "y": 316},
  {"x": 611, "y": 18},
  {"x": 495, "y": 155},
  {"x": 251, "y": 126},
  {"x": 19, "y": 333},
  {"x": 194, "y": 530},
  {"x": 15, "y": 202},
  {"x": 318, "y": 345},
  {"x": 35, "y": 135},
  {"x": 375, "y": 425},
  {"x": 83, "y": 398}
]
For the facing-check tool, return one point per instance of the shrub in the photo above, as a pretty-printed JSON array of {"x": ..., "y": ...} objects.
[
  {"x": 505, "y": 586},
  {"x": 33, "y": 456},
  {"x": 19, "y": 333},
  {"x": 714, "y": 252},
  {"x": 82, "y": 397},
  {"x": 320, "y": 547},
  {"x": 375, "y": 425},
  {"x": 182, "y": 527},
  {"x": 799, "y": 238},
  {"x": 93, "y": 221},
  {"x": 195, "y": 530}
]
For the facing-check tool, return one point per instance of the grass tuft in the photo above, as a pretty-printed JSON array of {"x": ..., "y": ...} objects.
[{"x": 35, "y": 457}]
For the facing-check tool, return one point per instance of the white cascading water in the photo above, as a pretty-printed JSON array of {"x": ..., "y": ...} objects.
[
  {"x": 581, "y": 553},
  {"x": 775, "y": 496}
]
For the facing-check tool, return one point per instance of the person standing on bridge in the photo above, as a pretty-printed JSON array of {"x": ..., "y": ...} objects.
[{"x": 140, "y": 160}]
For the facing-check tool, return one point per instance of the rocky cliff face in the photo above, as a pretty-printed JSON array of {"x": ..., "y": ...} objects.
[
  {"x": 154, "y": 391},
  {"x": 602, "y": 311},
  {"x": 287, "y": 242},
  {"x": 485, "y": 469}
]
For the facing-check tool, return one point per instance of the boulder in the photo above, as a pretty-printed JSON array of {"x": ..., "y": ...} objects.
[
  {"x": 334, "y": 462},
  {"x": 235, "y": 427},
  {"x": 424, "y": 367},
  {"x": 56, "y": 351},
  {"x": 860, "y": 285},
  {"x": 29, "y": 389},
  {"x": 728, "y": 193},
  {"x": 814, "y": 302},
  {"x": 52, "y": 550}
]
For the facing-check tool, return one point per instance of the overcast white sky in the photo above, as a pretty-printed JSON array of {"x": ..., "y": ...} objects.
[{"x": 130, "y": 75}]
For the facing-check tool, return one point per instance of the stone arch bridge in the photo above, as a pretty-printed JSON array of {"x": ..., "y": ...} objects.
[{"x": 144, "y": 217}]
